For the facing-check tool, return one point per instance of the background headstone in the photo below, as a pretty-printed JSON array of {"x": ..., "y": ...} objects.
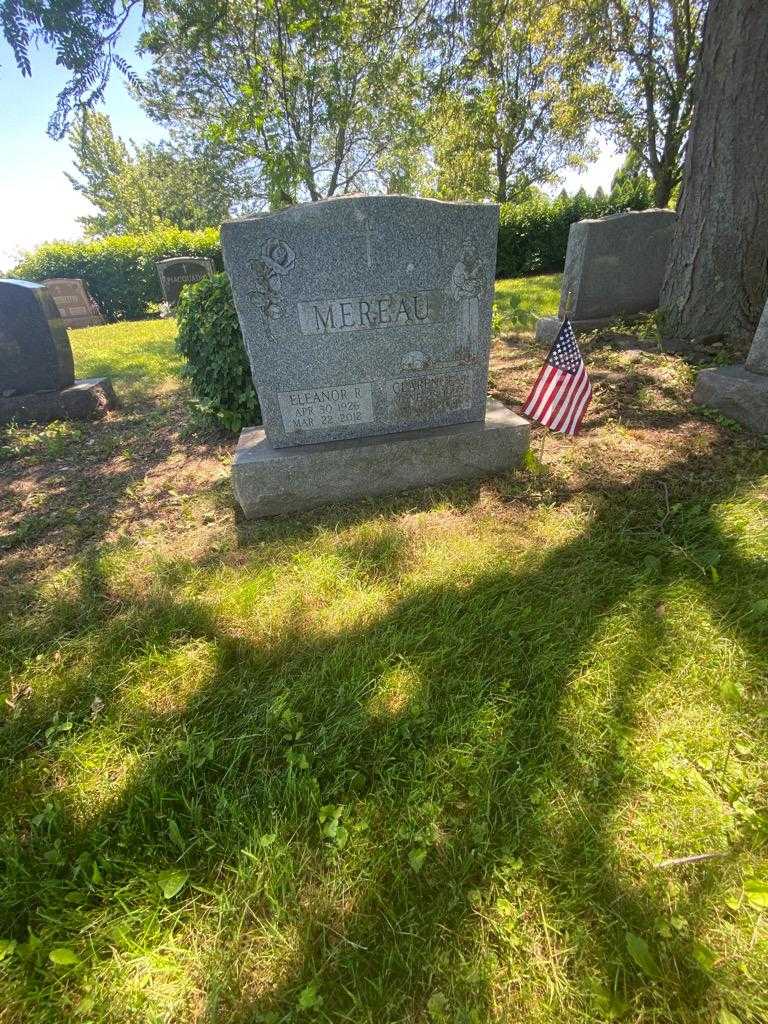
[
  {"x": 180, "y": 270},
  {"x": 35, "y": 353},
  {"x": 614, "y": 268},
  {"x": 757, "y": 360},
  {"x": 37, "y": 379},
  {"x": 365, "y": 315},
  {"x": 367, "y": 321},
  {"x": 740, "y": 392},
  {"x": 75, "y": 305}
]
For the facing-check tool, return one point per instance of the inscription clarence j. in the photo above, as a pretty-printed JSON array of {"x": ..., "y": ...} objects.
[
  {"x": 372, "y": 312},
  {"x": 323, "y": 407},
  {"x": 430, "y": 396}
]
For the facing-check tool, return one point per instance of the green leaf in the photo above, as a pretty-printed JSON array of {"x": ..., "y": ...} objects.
[
  {"x": 726, "y": 1017},
  {"x": 756, "y": 892},
  {"x": 705, "y": 957},
  {"x": 172, "y": 882},
  {"x": 310, "y": 998},
  {"x": 175, "y": 834},
  {"x": 610, "y": 1004},
  {"x": 7, "y": 947},
  {"x": 640, "y": 952},
  {"x": 437, "y": 1006},
  {"x": 267, "y": 840},
  {"x": 63, "y": 956},
  {"x": 96, "y": 874},
  {"x": 416, "y": 858}
]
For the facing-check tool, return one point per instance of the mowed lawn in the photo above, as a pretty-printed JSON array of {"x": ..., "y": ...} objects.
[{"x": 420, "y": 759}]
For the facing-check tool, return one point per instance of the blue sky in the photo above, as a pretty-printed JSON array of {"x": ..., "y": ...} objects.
[{"x": 38, "y": 204}]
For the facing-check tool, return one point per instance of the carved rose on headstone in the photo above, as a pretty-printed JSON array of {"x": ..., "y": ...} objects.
[
  {"x": 278, "y": 256},
  {"x": 277, "y": 259}
]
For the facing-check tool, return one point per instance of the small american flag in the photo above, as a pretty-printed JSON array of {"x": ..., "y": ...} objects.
[{"x": 562, "y": 391}]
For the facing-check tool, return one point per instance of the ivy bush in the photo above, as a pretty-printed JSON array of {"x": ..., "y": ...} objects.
[
  {"x": 120, "y": 271},
  {"x": 217, "y": 366}
]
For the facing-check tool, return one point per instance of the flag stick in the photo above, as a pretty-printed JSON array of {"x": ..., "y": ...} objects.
[{"x": 541, "y": 449}]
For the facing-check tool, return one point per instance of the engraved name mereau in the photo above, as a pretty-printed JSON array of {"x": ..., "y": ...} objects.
[{"x": 446, "y": 388}]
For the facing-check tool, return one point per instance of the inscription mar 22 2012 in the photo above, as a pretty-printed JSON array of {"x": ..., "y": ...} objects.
[{"x": 405, "y": 399}]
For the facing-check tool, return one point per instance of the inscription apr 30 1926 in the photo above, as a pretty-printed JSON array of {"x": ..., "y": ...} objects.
[{"x": 322, "y": 407}]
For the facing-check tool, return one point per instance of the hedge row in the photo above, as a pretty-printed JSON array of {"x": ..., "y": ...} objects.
[
  {"x": 533, "y": 236},
  {"x": 121, "y": 273}
]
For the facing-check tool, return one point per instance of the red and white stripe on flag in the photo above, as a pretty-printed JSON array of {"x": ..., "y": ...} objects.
[{"x": 562, "y": 391}]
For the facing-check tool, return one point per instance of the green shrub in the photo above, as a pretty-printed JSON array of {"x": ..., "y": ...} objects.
[
  {"x": 533, "y": 235},
  {"x": 217, "y": 366},
  {"x": 120, "y": 271}
]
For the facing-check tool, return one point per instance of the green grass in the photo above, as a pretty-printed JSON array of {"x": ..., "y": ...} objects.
[
  {"x": 522, "y": 300},
  {"x": 140, "y": 350},
  {"x": 416, "y": 760}
]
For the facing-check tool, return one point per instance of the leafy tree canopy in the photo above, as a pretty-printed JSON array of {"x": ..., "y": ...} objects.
[
  {"x": 140, "y": 188},
  {"x": 83, "y": 34}
]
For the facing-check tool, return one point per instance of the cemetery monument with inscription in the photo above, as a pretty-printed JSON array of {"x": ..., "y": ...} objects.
[
  {"x": 177, "y": 271},
  {"x": 37, "y": 373},
  {"x": 73, "y": 301},
  {"x": 614, "y": 268},
  {"x": 367, "y": 322}
]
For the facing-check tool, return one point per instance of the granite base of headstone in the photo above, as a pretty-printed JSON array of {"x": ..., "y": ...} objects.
[
  {"x": 367, "y": 321},
  {"x": 37, "y": 379},
  {"x": 270, "y": 481},
  {"x": 614, "y": 270},
  {"x": 86, "y": 399},
  {"x": 740, "y": 392}
]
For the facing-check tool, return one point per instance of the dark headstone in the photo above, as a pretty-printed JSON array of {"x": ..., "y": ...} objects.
[
  {"x": 75, "y": 305},
  {"x": 35, "y": 354},
  {"x": 178, "y": 271}
]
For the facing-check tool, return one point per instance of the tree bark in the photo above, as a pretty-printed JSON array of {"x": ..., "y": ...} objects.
[{"x": 717, "y": 273}]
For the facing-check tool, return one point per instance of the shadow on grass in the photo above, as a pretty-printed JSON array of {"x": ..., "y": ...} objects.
[{"x": 437, "y": 727}]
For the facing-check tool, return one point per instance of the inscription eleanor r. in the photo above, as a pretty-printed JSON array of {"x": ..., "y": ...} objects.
[
  {"x": 318, "y": 408},
  {"x": 372, "y": 312}
]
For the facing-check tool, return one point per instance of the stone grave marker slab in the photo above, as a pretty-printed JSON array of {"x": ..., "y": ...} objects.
[
  {"x": 180, "y": 270},
  {"x": 35, "y": 354},
  {"x": 614, "y": 268},
  {"x": 37, "y": 379},
  {"x": 365, "y": 315},
  {"x": 367, "y": 321},
  {"x": 75, "y": 305},
  {"x": 740, "y": 392}
]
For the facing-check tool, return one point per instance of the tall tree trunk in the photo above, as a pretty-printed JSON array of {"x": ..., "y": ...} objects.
[{"x": 717, "y": 274}]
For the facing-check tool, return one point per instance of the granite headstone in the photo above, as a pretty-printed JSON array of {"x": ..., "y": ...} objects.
[
  {"x": 367, "y": 321},
  {"x": 614, "y": 268},
  {"x": 180, "y": 270},
  {"x": 740, "y": 392},
  {"x": 74, "y": 303},
  {"x": 37, "y": 379},
  {"x": 35, "y": 353},
  {"x": 757, "y": 360}
]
